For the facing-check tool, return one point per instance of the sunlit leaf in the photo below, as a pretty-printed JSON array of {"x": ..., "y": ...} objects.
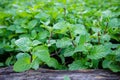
[
  {"x": 19, "y": 66},
  {"x": 42, "y": 53},
  {"x": 24, "y": 44}
]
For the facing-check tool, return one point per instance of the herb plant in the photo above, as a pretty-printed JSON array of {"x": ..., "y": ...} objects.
[{"x": 60, "y": 34}]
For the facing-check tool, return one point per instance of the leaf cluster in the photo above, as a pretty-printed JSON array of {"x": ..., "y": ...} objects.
[{"x": 60, "y": 34}]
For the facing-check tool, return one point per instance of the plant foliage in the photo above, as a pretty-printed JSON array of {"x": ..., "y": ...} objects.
[{"x": 60, "y": 34}]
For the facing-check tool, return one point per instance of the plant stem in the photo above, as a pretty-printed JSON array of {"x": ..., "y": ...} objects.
[
  {"x": 106, "y": 28},
  {"x": 50, "y": 37},
  {"x": 57, "y": 52},
  {"x": 98, "y": 37},
  {"x": 71, "y": 38},
  {"x": 64, "y": 13}
]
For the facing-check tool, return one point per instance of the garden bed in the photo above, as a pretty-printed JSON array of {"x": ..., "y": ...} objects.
[
  {"x": 79, "y": 39},
  {"x": 47, "y": 74}
]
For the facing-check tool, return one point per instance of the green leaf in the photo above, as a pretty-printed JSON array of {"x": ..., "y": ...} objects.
[
  {"x": 35, "y": 64},
  {"x": 42, "y": 53},
  {"x": 96, "y": 29},
  {"x": 12, "y": 27},
  {"x": 105, "y": 38},
  {"x": 32, "y": 24},
  {"x": 1, "y": 50},
  {"x": 115, "y": 67},
  {"x": 19, "y": 29},
  {"x": 80, "y": 48},
  {"x": 26, "y": 26},
  {"x": 95, "y": 63},
  {"x": 24, "y": 44},
  {"x": 23, "y": 63},
  {"x": 62, "y": 58},
  {"x": 64, "y": 42},
  {"x": 21, "y": 55},
  {"x": 114, "y": 22},
  {"x": 36, "y": 42},
  {"x": 79, "y": 29},
  {"x": 59, "y": 25},
  {"x": 1, "y": 64},
  {"x": 8, "y": 61},
  {"x": 33, "y": 34},
  {"x": 77, "y": 64},
  {"x": 106, "y": 63},
  {"x": 53, "y": 63},
  {"x": 42, "y": 16},
  {"x": 66, "y": 77},
  {"x": 106, "y": 13},
  {"x": 98, "y": 52},
  {"x": 88, "y": 46},
  {"x": 83, "y": 39},
  {"x": 69, "y": 51},
  {"x": 43, "y": 34},
  {"x": 51, "y": 42}
]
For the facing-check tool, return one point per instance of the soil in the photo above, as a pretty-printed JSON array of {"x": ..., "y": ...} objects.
[{"x": 48, "y": 74}]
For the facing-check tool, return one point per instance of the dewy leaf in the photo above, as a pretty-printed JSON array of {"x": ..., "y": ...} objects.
[
  {"x": 64, "y": 42},
  {"x": 32, "y": 24},
  {"x": 24, "y": 44},
  {"x": 42, "y": 53},
  {"x": 76, "y": 65},
  {"x": 98, "y": 52},
  {"x": 23, "y": 63}
]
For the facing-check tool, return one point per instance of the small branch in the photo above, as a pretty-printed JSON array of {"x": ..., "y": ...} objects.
[
  {"x": 31, "y": 58},
  {"x": 64, "y": 13},
  {"x": 71, "y": 38},
  {"x": 106, "y": 28},
  {"x": 57, "y": 52},
  {"x": 98, "y": 37},
  {"x": 73, "y": 43},
  {"x": 50, "y": 37}
]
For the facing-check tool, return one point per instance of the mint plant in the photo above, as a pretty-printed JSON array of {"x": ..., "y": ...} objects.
[{"x": 61, "y": 34}]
